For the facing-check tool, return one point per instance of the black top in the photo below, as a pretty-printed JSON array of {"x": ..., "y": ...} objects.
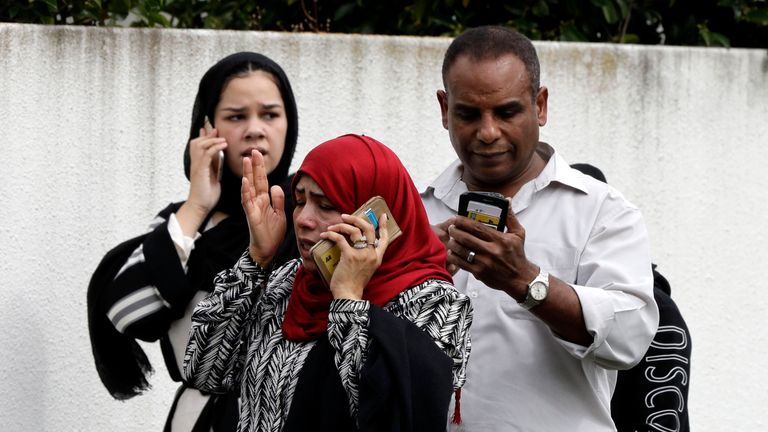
[
  {"x": 653, "y": 395},
  {"x": 405, "y": 384},
  {"x": 122, "y": 365},
  {"x": 120, "y": 361}
]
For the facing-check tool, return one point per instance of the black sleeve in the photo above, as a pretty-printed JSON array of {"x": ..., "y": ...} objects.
[
  {"x": 164, "y": 271},
  {"x": 121, "y": 363},
  {"x": 655, "y": 391},
  {"x": 151, "y": 289}
]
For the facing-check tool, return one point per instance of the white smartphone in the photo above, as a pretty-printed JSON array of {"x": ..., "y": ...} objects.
[{"x": 217, "y": 164}]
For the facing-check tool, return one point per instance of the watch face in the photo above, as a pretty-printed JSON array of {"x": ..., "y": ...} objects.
[{"x": 539, "y": 291}]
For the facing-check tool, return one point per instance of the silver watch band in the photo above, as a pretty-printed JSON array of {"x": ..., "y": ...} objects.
[{"x": 530, "y": 301}]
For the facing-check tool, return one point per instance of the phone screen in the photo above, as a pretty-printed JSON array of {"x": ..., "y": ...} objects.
[
  {"x": 484, "y": 213},
  {"x": 488, "y": 208}
]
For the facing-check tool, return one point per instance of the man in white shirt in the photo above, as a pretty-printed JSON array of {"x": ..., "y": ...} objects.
[{"x": 542, "y": 359}]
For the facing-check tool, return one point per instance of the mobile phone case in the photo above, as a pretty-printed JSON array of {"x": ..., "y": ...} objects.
[{"x": 327, "y": 255}]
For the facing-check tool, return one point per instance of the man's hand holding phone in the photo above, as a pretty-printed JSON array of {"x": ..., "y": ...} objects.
[
  {"x": 488, "y": 208},
  {"x": 441, "y": 231},
  {"x": 480, "y": 246}
]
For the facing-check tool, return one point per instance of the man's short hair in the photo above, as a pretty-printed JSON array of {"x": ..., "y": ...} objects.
[{"x": 492, "y": 42}]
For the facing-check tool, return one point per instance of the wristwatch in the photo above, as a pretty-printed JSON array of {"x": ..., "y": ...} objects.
[{"x": 537, "y": 291}]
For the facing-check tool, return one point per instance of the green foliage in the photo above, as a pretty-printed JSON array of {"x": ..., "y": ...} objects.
[{"x": 742, "y": 23}]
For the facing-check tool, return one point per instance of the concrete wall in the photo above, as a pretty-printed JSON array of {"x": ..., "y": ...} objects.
[{"x": 93, "y": 123}]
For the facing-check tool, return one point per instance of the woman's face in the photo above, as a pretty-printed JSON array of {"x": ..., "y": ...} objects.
[
  {"x": 312, "y": 215},
  {"x": 251, "y": 115}
]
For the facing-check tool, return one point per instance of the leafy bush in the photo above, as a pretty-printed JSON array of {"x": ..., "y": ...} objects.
[{"x": 739, "y": 23}]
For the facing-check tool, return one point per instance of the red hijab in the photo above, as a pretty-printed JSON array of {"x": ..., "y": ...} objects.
[{"x": 351, "y": 169}]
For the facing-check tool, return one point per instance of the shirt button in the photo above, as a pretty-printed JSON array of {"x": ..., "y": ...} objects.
[{"x": 473, "y": 294}]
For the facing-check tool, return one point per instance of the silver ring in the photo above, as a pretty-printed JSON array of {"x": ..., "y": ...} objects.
[
  {"x": 360, "y": 244},
  {"x": 374, "y": 244},
  {"x": 471, "y": 257}
]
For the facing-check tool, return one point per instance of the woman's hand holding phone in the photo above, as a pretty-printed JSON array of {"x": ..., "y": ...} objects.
[
  {"x": 266, "y": 221},
  {"x": 357, "y": 265},
  {"x": 204, "y": 188}
]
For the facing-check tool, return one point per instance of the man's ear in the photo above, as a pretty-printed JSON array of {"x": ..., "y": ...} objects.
[
  {"x": 442, "y": 99},
  {"x": 541, "y": 105}
]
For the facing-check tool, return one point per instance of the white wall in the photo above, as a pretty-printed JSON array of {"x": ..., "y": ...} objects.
[{"x": 93, "y": 123}]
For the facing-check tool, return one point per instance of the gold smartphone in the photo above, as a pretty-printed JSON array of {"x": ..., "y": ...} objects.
[
  {"x": 327, "y": 255},
  {"x": 217, "y": 164}
]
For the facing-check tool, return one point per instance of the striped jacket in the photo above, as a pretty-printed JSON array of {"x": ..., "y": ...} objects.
[{"x": 237, "y": 342}]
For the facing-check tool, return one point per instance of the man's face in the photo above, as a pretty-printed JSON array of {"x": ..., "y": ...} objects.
[{"x": 491, "y": 119}]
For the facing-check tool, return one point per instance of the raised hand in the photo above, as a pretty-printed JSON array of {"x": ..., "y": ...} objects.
[
  {"x": 357, "y": 264},
  {"x": 266, "y": 221}
]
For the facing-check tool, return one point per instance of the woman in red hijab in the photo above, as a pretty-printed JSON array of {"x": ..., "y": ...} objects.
[{"x": 382, "y": 347}]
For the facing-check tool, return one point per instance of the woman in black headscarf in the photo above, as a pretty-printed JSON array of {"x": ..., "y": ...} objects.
[{"x": 147, "y": 287}]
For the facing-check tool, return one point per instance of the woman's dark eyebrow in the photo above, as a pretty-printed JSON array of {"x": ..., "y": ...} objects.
[
  {"x": 300, "y": 190},
  {"x": 233, "y": 109},
  {"x": 270, "y": 106}
]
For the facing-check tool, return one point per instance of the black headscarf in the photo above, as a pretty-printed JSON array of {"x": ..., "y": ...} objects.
[
  {"x": 121, "y": 363},
  {"x": 208, "y": 95},
  {"x": 226, "y": 242}
]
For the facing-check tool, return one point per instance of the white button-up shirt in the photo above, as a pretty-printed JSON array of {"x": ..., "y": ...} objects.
[{"x": 521, "y": 376}]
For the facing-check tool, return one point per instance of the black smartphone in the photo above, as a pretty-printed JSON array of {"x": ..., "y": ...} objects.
[{"x": 489, "y": 208}]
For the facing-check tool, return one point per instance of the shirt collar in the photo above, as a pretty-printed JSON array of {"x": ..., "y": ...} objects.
[
  {"x": 447, "y": 187},
  {"x": 557, "y": 170}
]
